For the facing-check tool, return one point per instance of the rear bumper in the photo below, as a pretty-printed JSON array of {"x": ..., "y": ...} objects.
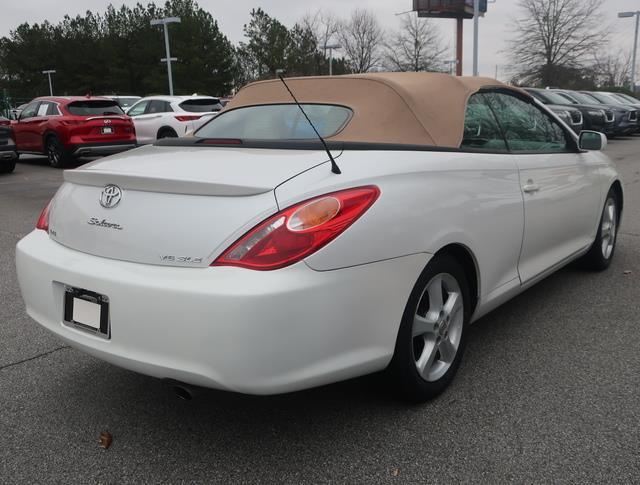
[
  {"x": 101, "y": 149},
  {"x": 227, "y": 328}
]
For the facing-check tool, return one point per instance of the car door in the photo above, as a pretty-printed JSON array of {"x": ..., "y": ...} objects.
[
  {"x": 149, "y": 122},
  {"x": 143, "y": 122},
  {"x": 23, "y": 128},
  {"x": 498, "y": 215},
  {"x": 39, "y": 125},
  {"x": 559, "y": 184}
]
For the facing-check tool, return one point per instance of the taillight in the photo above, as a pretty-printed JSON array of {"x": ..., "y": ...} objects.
[
  {"x": 295, "y": 233},
  {"x": 188, "y": 117},
  {"x": 43, "y": 220}
]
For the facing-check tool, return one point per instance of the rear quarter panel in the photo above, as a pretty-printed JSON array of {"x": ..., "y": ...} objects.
[{"x": 428, "y": 200}]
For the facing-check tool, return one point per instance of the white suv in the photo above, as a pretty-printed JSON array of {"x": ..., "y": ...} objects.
[{"x": 158, "y": 117}]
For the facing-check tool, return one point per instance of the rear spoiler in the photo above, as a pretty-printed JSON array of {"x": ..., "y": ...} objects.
[{"x": 138, "y": 181}]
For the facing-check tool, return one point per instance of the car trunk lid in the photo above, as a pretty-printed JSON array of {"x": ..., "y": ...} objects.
[{"x": 178, "y": 206}]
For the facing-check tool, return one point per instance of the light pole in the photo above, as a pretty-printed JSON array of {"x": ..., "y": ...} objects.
[
  {"x": 331, "y": 48},
  {"x": 49, "y": 73},
  {"x": 165, "y": 24},
  {"x": 623, "y": 15}
]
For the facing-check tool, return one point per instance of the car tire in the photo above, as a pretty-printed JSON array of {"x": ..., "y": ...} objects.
[
  {"x": 601, "y": 252},
  {"x": 8, "y": 167},
  {"x": 167, "y": 133},
  {"x": 56, "y": 154},
  {"x": 432, "y": 333}
]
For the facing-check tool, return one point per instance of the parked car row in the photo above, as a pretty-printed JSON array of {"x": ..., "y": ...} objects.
[
  {"x": 66, "y": 127},
  {"x": 7, "y": 147},
  {"x": 613, "y": 114}
]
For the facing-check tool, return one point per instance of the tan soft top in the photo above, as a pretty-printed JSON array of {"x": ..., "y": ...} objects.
[{"x": 397, "y": 107}]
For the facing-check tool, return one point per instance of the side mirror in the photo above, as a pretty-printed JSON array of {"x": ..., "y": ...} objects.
[{"x": 592, "y": 140}]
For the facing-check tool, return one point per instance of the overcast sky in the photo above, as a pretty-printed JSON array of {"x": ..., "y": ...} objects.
[{"x": 233, "y": 14}]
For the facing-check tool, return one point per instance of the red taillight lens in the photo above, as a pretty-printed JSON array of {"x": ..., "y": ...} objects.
[
  {"x": 188, "y": 117},
  {"x": 295, "y": 233},
  {"x": 43, "y": 220}
]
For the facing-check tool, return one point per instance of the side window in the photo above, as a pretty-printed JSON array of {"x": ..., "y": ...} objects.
[
  {"x": 526, "y": 127},
  {"x": 138, "y": 109},
  {"x": 53, "y": 110},
  {"x": 42, "y": 109},
  {"x": 29, "y": 111},
  {"x": 481, "y": 130},
  {"x": 157, "y": 106}
]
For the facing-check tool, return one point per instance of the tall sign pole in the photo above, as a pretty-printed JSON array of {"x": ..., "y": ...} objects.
[
  {"x": 459, "y": 44},
  {"x": 623, "y": 15},
  {"x": 476, "y": 20}
]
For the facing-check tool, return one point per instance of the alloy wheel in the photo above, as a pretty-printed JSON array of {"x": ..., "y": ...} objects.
[
  {"x": 437, "y": 327},
  {"x": 608, "y": 228},
  {"x": 53, "y": 153}
]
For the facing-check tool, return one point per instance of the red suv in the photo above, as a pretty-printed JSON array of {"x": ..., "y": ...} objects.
[{"x": 66, "y": 127}]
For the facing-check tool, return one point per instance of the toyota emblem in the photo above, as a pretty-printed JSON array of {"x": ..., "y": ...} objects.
[{"x": 110, "y": 196}]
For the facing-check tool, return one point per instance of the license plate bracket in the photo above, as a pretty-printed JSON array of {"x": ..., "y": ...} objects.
[{"x": 87, "y": 310}]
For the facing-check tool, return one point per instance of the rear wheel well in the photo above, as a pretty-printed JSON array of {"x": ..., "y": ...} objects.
[
  {"x": 48, "y": 135},
  {"x": 45, "y": 139},
  {"x": 465, "y": 257},
  {"x": 166, "y": 130}
]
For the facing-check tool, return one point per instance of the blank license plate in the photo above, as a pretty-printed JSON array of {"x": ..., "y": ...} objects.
[
  {"x": 107, "y": 130},
  {"x": 87, "y": 310}
]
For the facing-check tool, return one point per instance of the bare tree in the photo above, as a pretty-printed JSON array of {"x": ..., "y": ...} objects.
[
  {"x": 613, "y": 70},
  {"x": 361, "y": 38},
  {"x": 555, "y": 38},
  {"x": 324, "y": 25},
  {"x": 417, "y": 46}
]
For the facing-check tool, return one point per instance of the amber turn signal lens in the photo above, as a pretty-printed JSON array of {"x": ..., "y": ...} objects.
[{"x": 314, "y": 214}]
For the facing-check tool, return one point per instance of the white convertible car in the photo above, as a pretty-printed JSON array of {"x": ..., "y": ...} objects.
[{"x": 249, "y": 258}]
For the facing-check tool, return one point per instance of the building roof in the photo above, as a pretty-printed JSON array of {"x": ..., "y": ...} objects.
[{"x": 403, "y": 107}]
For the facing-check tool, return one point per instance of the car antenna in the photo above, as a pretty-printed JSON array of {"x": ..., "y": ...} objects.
[{"x": 334, "y": 166}]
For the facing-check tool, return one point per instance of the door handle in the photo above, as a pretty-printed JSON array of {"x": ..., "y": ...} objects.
[{"x": 530, "y": 187}]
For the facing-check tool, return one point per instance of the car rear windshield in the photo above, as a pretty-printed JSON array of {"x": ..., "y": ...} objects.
[
  {"x": 126, "y": 102},
  {"x": 277, "y": 122},
  {"x": 203, "y": 105},
  {"x": 94, "y": 108}
]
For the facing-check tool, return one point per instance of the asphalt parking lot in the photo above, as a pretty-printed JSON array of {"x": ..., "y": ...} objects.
[{"x": 549, "y": 392}]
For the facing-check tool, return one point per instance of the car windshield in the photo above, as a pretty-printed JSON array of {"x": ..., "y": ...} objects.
[
  {"x": 584, "y": 98},
  {"x": 94, "y": 108},
  {"x": 605, "y": 98},
  {"x": 202, "y": 105},
  {"x": 626, "y": 98},
  {"x": 277, "y": 122},
  {"x": 554, "y": 98}
]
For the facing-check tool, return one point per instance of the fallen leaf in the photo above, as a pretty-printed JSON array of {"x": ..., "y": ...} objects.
[
  {"x": 105, "y": 439},
  {"x": 395, "y": 472}
]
